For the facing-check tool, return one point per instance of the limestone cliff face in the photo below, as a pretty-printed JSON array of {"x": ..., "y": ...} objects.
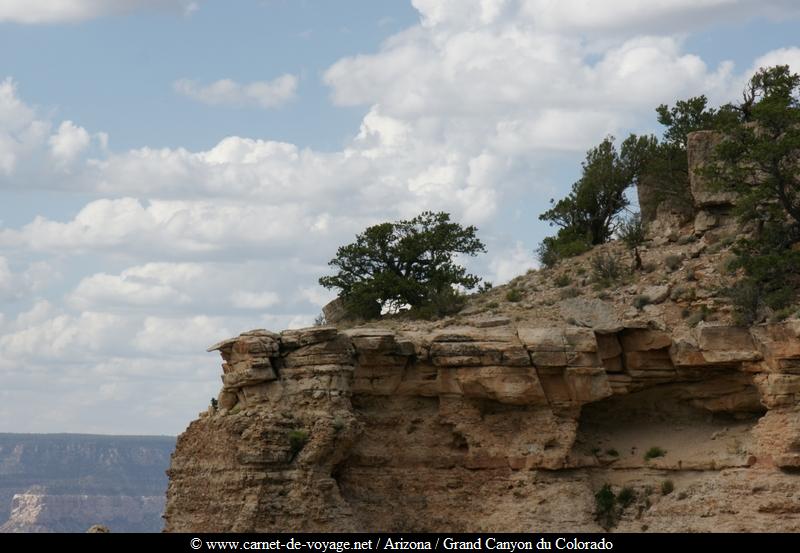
[
  {"x": 43, "y": 513},
  {"x": 512, "y": 415},
  {"x": 495, "y": 427},
  {"x": 67, "y": 482}
]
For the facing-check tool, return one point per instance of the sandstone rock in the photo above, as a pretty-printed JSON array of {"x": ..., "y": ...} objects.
[
  {"x": 381, "y": 380},
  {"x": 489, "y": 322},
  {"x": 43, "y": 512},
  {"x": 644, "y": 340},
  {"x": 542, "y": 339},
  {"x": 234, "y": 380},
  {"x": 450, "y": 354},
  {"x": 724, "y": 344},
  {"x": 307, "y": 336},
  {"x": 778, "y": 435},
  {"x": 549, "y": 358},
  {"x": 261, "y": 333},
  {"x": 223, "y": 345},
  {"x": 334, "y": 311},
  {"x": 335, "y": 350},
  {"x": 513, "y": 385},
  {"x": 656, "y": 294},
  {"x": 587, "y": 384},
  {"x": 372, "y": 339},
  {"x": 226, "y": 399},
  {"x": 613, "y": 364},
  {"x": 580, "y": 339},
  {"x": 620, "y": 383},
  {"x": 780, "y": 345},
  {"x": 486, "y": 415},
  {"x": 608, "y": 346},
  {"x": 591, "y": 313},
  {"x": 696, "y": 250},
  {"x": 703, "y": 221},
  {"x": 778, "y": 390},
  {"x": 699, "y": 150},
  {"x": 686, "y": 353},
  {"x": 652, "y": 364},
  {"x": 788, "y": 461},
  {"x": 473, "y": 334}
]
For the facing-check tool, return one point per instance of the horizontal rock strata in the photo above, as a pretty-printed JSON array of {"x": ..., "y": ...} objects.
[{"x": 493, "y": 427}]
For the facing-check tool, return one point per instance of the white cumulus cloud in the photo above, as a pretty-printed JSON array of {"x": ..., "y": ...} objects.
[
  {"x": 610, "y": 16},
  {"x": 470, "y": 111},
  {"x": 68, "y": 143}
]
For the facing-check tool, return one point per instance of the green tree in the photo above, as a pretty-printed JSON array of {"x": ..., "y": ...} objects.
[
  {"x": 759, "y": 160},
  {"x": 589, "y": 215},
  {"x": 685, "y": 117},
  {"x": 667, "y": 169},
  {"x": 405, "y": 263},
  {"x": 761, "y": 154}
]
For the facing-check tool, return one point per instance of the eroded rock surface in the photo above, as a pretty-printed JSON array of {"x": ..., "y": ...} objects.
[{"x": 495, "y": 427}]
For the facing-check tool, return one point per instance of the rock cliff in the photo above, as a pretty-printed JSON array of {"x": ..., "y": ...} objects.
[
  {"x": 67, "y": 482},
  {"x": 41, "y": 512},
  {"x": 514, "y": 415},
  {"x": 495, "y": 427}
]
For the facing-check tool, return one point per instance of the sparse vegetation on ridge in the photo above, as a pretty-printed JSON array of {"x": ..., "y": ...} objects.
[{"x": 654, "y": 452}]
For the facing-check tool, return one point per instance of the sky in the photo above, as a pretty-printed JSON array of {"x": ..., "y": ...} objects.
[{"x": 175, "y": 172}]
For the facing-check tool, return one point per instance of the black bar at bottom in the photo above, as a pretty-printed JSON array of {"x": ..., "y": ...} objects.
[{"x": 341, "y": 543}]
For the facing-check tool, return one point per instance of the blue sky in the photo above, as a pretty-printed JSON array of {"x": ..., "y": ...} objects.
[{"x": 175, "y": 172}]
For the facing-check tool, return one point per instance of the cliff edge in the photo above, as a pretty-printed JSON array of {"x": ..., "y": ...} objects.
[{"x": 566, "y": 406}]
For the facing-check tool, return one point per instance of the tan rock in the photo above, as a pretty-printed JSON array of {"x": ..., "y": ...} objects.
[
  {"x": 686, "y": 353},
  {"x": 542, "y": 339},
  {"x": 703, "y": 221},
  {"x": 307, "y": 336},
  {"x": 580, "y": 339},
  {"x": 513, "y": 385},
  {"x": 644, "y": 340},
  {"x": 700, "y": 150},
  {"x": 446, "y": 415},
  {"x": 779, "y": 344},
  {"x": 549, "y": 358},
  {"x": 249, "y": 377},
  {"x": 334, "y": 311},
  {"x": 455, "y": 354},
  {"x": 226, "y": 399},
  {"x": 727, "y": 344},
  {"x": 336, "y": 350},
  {"x": 778, "y": 390},
  {"x": 582, "y": 359},
  {"x": 656, "y": 294},
  {"x": 608, "y": 346},
  {"x": 587, "y": 384},
  {"x": 596, "y": 314}
]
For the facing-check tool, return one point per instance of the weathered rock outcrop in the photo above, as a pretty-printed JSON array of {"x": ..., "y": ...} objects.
[
  {"x": 480, "y": 423},
  {"x": 700, "y": 201},
  {"x": 67, "y": 482},
  {"x": 43, "y": 513},
  {"x": 495, "y": 426}
]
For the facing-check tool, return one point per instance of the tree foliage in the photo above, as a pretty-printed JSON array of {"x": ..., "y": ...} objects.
[
  {"x": 688, "y": 116},
  {"x": 667, "y": 169},
  {"x": 589, "y": 215},
  {"x": 597, "y": 198},
  {"x": 405, "y": 263},
  {"x": 760, "y": 157},
  {"x": 759, "y": 160}
]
